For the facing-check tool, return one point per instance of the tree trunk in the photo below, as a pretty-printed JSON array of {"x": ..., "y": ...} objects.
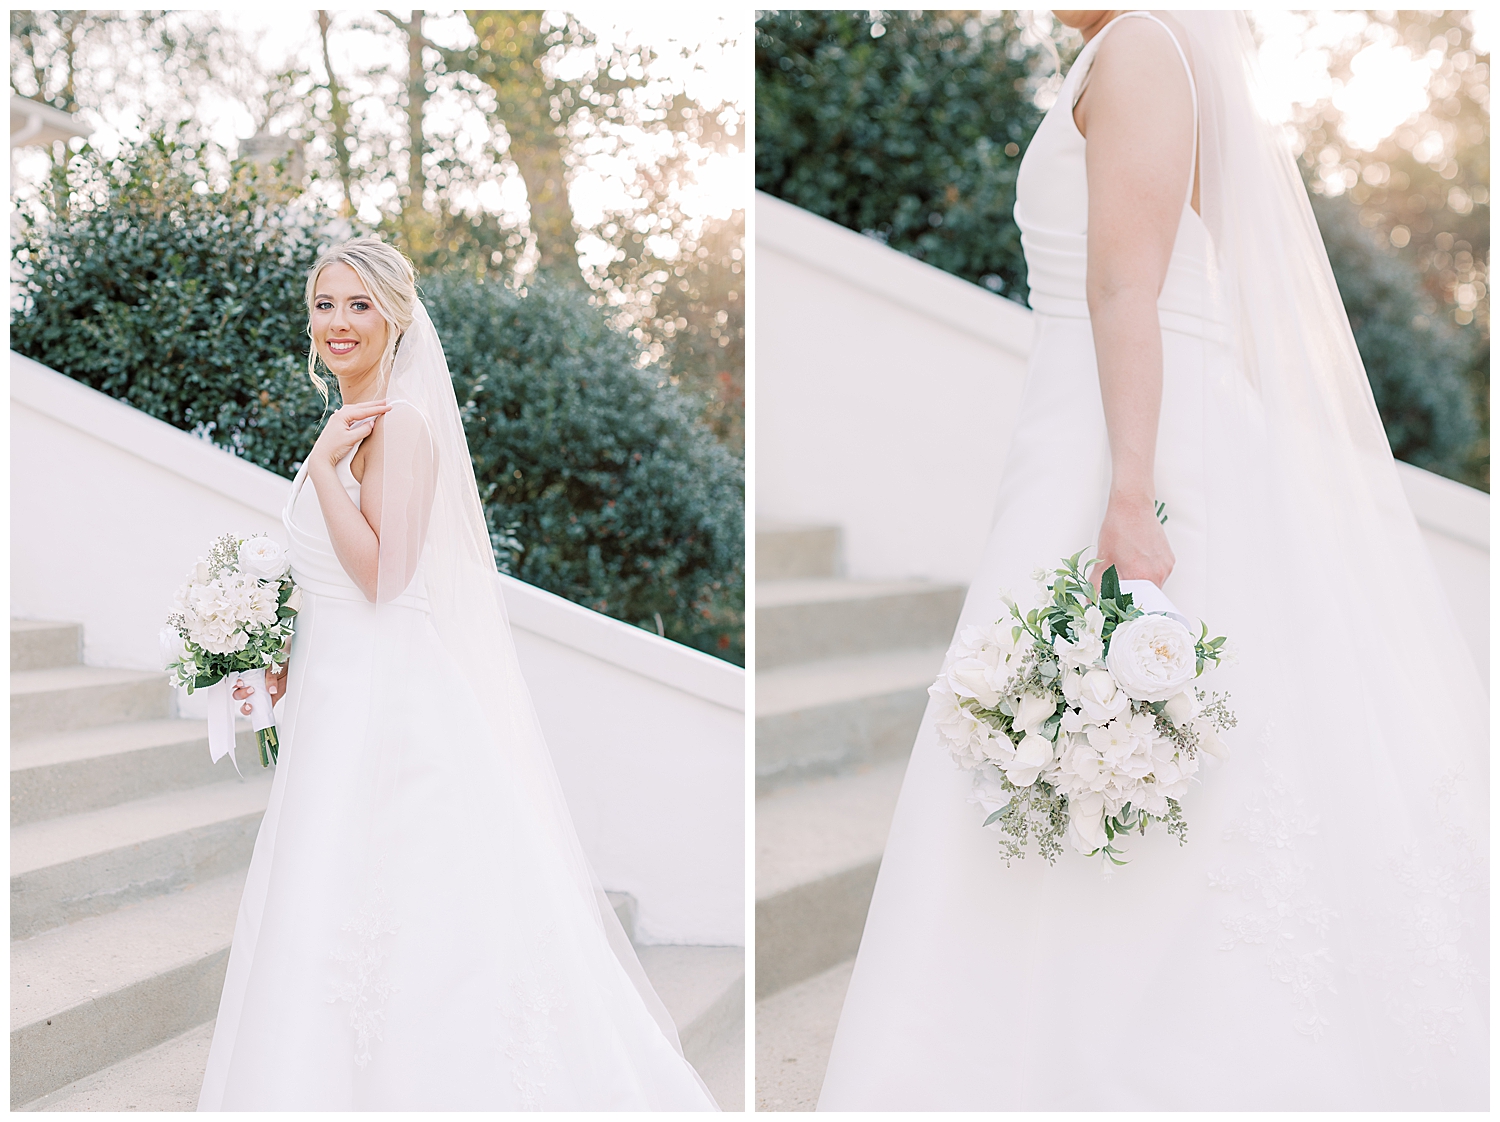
[
  {"x": 416, "y": 103},
  {"x": 338, "y": 115},
  {"x": 540, "y": 160}
]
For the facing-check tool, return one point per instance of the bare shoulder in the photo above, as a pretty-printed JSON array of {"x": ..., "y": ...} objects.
[{"x": 1139, "y": 55}]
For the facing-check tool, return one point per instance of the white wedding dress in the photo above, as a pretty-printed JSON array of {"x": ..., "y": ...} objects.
[
  {"x": 1320, "y": 942},
  {"x": 416, "y": 940}
]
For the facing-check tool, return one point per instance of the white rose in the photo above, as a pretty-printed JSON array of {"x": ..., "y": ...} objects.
[
  {"x": 1032, "y": 755},
  {"x": 201, "y": 573},
  {"x": 975, "y": 677},
  {"x": 1086, "y": 822},
  {"x": 1209, "y": 741},
  {"x": 1182, "y": 708},
  {"x": 1100, "y": 698},
  {"x": 263, "y": 558},
  {"x": 1030, "y": 712},
  {"x": 294, "y": 601},
  {"x": 1152, "y": 657}
]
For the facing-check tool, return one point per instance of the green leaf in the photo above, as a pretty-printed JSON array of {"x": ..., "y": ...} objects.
[{"x": 1109, "y": 584}]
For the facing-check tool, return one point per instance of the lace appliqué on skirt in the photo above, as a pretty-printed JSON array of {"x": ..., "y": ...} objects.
[
  {"x": 1431, "y": 985},
  {"x": 531, "y": 1041},
  {"x": 1284, "y": 917},
  {"x": 366, "y": 985}
]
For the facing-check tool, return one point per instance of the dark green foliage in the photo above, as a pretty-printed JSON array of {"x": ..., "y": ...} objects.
[
  {"x": 600, "y": 484},
  {"x": 185, "y": 304},
  {"x": 618, "y": 497},
  {"x": 1416, "y": 362},
  {"x": 913, "y": 135}
]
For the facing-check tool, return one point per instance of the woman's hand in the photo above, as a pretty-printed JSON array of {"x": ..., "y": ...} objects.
[
  {"x": 275, "y": 686},
  {"x": 1133, "y": 541},
  {"x": 344, "y": 430}
]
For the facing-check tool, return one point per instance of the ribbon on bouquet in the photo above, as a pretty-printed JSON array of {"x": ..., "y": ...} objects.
[
  {"x": 223, "y": 707},
  {"x": 1153, "y": 601}
]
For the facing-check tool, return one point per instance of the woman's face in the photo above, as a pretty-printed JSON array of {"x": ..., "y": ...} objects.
[{"x": 349, "y": 333}]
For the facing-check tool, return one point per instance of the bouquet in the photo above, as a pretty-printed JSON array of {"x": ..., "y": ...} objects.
[
  {"x": 234, "y": 616},
  {"x": 1082, "y": 717}
]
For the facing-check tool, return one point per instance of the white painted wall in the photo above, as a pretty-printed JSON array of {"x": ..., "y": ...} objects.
[
  {"x": 877, "y": 377},
  {"x": 110, "y": 507}
]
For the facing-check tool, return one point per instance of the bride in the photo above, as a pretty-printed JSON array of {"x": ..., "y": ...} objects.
[
  {"x": 420, "y": 929},
  {"x": 1320, "y": 941}
]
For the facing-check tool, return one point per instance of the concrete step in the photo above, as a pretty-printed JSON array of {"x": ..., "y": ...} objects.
[
  {"x": 64, "y": 698},
  {"x": 784, "y": 551},
  {"x": 701, "y": 987},
  {"x": 97, "y": 991},
  {"x": 167, "y": 1077},
  {"x": 65, "y": 869},
  {"x": 817, "y": 851},
  {"x": 41, "y": 644},
  {"x": 794, "y": 1037},
  {"x": 812, "y": 619},
  {"x": 88, "y": 769},
  {"x": 820, "y": 718}
]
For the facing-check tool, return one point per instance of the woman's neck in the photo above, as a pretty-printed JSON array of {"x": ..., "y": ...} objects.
[
  {"x": 362, "y": 387},
  {"x": 1097, "y": 25}
]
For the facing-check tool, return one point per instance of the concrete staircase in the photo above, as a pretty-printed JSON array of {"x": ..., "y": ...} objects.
[
  {"x": 842, "y": 670},
  {"x": 128, "y": 857}
]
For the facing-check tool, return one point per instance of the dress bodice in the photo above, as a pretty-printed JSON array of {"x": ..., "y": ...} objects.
[
  {"x": 315, "y": 566},
  {"x": 1052, "y": 206}
]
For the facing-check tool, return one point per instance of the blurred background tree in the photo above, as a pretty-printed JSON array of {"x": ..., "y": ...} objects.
[
  {"x": 526, "y": 150},
  {"x": 908, "y": 126}
]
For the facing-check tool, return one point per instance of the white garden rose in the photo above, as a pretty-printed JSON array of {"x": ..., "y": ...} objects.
[
  {"x": 1100, "y": 698},
  {"x": 294, "y": 601},
  {"x": 263, "y": 558},
  {"x": 1152, "y": 657}
]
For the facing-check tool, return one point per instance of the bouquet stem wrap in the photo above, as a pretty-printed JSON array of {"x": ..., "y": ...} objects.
[{"x": 223, "y": 707}]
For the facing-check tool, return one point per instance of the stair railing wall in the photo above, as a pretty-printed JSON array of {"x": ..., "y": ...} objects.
[{"x": 109, "y": 507}]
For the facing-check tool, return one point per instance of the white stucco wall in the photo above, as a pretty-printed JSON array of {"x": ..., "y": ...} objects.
[
  {"x": 885, "y": 391},
  {"x": 109, "y": 508}
]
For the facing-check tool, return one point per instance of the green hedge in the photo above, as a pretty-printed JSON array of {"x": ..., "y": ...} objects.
[
  {"x": 913, "y": 135},
  {"x": 1416, "y": 362},
  {"x": 615, "y": 493},
  {"x": 599, "y": 484}
]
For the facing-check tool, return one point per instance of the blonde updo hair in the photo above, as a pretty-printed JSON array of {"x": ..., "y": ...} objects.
[{"x": 390, "y": 282}]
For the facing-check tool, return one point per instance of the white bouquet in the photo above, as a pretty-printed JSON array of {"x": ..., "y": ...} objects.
[
  {"x": 234, "y": 616},
  {"x": 1082, "y": 717}
]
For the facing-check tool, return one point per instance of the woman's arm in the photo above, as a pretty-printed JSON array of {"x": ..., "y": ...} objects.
[
  {"x": 354, "y": 539},
  {"x": 396, "y": 494},
  {"x": 1137, "y": 117}
]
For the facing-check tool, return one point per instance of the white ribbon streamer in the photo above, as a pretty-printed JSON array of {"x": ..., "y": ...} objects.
[{"x": 223, "y": 707}]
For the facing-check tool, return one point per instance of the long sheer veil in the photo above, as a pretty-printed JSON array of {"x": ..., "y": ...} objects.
[
  {"x": 1372, "y": 705},
  {"x": 1293, "y": 346},
  {"x": 430, "y": 512}
]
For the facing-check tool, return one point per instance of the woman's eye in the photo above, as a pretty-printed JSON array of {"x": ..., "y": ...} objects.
[
  {"x": 361, "y": 306},
  {"x": 323, "y": 305}
]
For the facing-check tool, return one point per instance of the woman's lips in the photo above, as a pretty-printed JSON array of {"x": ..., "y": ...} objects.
[{"x": 343, "y": 347}]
